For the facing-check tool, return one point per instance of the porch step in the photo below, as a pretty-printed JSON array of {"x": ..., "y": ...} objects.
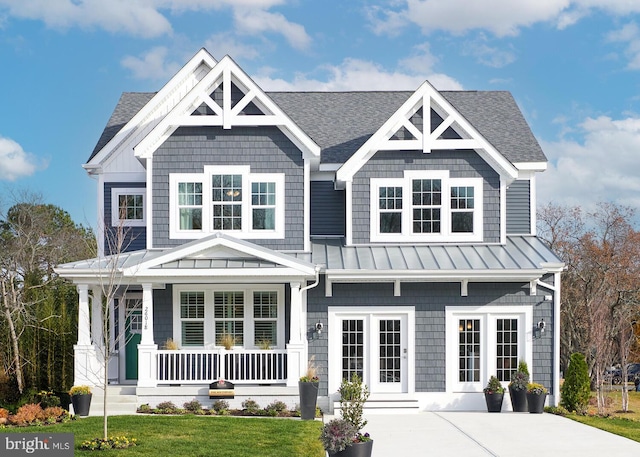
[
  {"x": 121, "y": 400},
  {"x": 386, "y": 405}
]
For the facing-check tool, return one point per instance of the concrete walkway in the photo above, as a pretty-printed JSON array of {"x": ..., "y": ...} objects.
[{"x": 506, "y": 434}]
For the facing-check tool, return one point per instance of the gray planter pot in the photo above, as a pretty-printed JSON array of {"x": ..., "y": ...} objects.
[
  {"x": 356, "y": 450},
  {"x": 536, "y": 402},
  {"x": 81, "y": 404},
  {"x": 308, "y": 397},
  {"x": 518, "y": 400},
  {"x": 494, "y": 402}
]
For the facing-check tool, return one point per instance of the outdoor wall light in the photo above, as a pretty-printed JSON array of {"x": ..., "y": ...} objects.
[
  {"x": 538, "y": 330},
  {"x": 319, "y": 327},
  {"x": 541, "y": 325}
]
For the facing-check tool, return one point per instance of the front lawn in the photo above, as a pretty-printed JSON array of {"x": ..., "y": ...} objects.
[{"x": 197, "y": 435}]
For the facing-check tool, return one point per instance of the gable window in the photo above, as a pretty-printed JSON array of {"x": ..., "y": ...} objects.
[
  {"x": 252, "y": 315},
  {"x": 426, "y": 206},
  {"x": 128, "y": 207},
  {"x": 485, "y": 341},
  {"x": 251, "y": 205}
]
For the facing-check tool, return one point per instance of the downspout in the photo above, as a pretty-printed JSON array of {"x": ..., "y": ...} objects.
[
  {"x": 556, "y": 334},
  {"x": 316, "y": 282}
]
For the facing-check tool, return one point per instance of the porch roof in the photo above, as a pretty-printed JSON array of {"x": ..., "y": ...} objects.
[{"x": 522, "y": 257}]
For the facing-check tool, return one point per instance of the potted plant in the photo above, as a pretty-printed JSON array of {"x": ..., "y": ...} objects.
[
  {"x": 518, "y": 388},
  {"x": 81, "y": 399},
  {"x": 308, "y": 390},
  {"x": 536, "y": 395},
  {"x": 493, "y": 395},
  {"x": 343, "y": 437},
  {"x": 227, "y": 340}
]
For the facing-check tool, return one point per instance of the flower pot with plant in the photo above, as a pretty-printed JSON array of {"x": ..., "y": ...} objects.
[
  {"x": 518, "y": 388},
  {"x": 81, "y": 399},
  {"x": 308, "y": 390},
  {"x": 494, "y": 395},
  {"x": 228, "y": 341},
  {"x": 536, "y": 396},
  {"x": 343, "y": 437}
]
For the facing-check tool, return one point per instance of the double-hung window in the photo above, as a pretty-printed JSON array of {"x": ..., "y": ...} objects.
[
  {"x": 252, "y": 315},
  {"x": 426, "y": 206},
  {"x": 128, "y": 207},
  {"x": 227, "y": 199}
]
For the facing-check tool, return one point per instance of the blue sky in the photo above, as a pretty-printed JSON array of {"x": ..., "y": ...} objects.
[{"x": 572, "y": 65}]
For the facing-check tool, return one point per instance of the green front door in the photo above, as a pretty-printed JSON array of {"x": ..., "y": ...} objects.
[{"x": 133, "y": 334}]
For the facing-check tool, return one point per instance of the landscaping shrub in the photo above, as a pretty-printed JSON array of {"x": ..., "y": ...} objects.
[
  {"x": 193, "y": 406},
  {"x": 28, "y": 414},
  {"x": 167, "y": 407},
  {"x": 221, "y": 407},
  {"x": 276, "y": 408},
  {"x": 145, "y": 408},
  {"x": 576, "y": 391},
  {"x": 46, "y": 399},
  {"x": 250, "y": 406}
]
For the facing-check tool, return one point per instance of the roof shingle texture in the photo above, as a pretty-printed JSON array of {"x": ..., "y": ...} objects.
[{"x": 340, "y": 122}]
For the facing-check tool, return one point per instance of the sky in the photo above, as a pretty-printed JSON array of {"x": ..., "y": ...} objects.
[{"x": 573, "y": 67}]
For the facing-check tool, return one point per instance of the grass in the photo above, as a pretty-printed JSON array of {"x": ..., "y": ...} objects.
[
  {"x": 197, "y": 435},
  {"x": 621, "y": 423}
]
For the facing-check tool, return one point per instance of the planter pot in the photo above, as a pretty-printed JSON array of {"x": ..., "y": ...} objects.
[
  {"x": 308, "y": 396},
  {"x": 356, "y": 450},
  {"x": 536, "y": 402},
  {"x": 518, "y": 400},
  {"x": 81, "y": 404},
  {"x": 494, "y": 402}
]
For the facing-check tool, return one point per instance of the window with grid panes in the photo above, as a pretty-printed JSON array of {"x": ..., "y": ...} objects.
[
  {"x": 228, "y": 314},
  {"x": 192, "y": 317},
  {"x": 265, "y": 318}
]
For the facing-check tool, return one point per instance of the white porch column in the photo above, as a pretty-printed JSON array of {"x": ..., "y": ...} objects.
[
  {"x": 147, "y": 348},
  {"x": 97, "y": 317},
  {"x": 84, "y": 321},
  {"x": 296, "y": 345},
  {"x": 86, "y": 365}
]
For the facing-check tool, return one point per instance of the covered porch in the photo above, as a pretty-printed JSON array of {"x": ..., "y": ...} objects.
[{"x": 211, "y": 273}]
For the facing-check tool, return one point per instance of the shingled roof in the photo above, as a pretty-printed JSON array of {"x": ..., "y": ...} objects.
[{"x": 340, "y": 122}]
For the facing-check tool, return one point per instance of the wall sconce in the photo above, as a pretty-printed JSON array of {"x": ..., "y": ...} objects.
[
  {"x": 319, "y": 327},
  {"x": 539, "y": 329}
]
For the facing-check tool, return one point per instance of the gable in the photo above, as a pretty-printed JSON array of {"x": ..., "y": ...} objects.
[
  {"x": 406, "y": 129},
  {"x": 226, "y": 97}
]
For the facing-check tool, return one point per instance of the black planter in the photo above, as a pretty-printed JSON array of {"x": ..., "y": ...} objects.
[
  {"x": 494, "y": 402},
  {"x": 518, "y": 400},
  {"x": 536, "y": 402},
  {"x": 356, "y": 450},
  {"x": 81, "y": 404},
  {"x": 308, "y": 396}
]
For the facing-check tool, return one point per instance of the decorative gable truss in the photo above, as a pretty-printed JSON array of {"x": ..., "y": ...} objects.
[
  {"x": 227, "y": 97},
  {"x": 410, "y": 128}
]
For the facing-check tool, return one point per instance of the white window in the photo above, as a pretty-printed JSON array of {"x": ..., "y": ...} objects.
[
  {"x": 426, "y": 206},
  {"x": 252, "y": 315},
  {"x": 486, "y": 341},
  {"x": 226, "y": 199},
  {"x": 128, "y": 207}
]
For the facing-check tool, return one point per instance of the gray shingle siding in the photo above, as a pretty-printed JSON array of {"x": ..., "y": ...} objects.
[
  {"x": 519, "y": 207},
  {"x": 135, "y": 237},
  {"x": 430, "y": 301},
  {"x": 327, "y": 209},
  {"x": 392, "y": 164},
  {"x": 264, "y": 149}
]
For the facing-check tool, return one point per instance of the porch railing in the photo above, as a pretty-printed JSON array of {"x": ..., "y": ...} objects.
[{"x": 240, "y": 366}]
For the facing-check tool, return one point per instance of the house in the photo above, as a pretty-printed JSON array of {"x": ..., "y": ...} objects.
[{"x": 334, "y": 225}]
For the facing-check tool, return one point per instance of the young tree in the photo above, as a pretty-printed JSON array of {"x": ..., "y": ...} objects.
[{"x": 576, "y": 391}]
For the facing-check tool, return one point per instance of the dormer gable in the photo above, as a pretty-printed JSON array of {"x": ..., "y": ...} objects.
[
  {"x": 226, "y": 97},
  {"x": 444, "y": 128}
]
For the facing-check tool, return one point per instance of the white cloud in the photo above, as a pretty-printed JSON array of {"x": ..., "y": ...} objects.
[
  {"x": 15, "y": 163},
  {"x": 150, "y": 18},
  {"x": 488, "y": 55},
  {"x": 152, "y": 65},
  {"x": 357, "y": 74},
  {"x": 500, "y": 17},
  {"x": 222, "y": 44},
  {"x": 601, "y": 167},
  {"x": 629, "y": 35}
]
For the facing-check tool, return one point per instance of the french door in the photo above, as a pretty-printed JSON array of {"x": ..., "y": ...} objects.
[{"x": 375, "y": 346}]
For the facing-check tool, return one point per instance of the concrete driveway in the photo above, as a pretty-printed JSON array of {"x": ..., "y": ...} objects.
[{"x": 505, "y": 434}]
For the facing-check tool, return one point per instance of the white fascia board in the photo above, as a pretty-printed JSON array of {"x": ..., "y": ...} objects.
[
  {"x": 201, "y": 57},
  {"x": 219, "y": 239},
  {"x": 531, "y": 166},
  {"x": 444, "y": 275},
  {"x": 170, "y": 274},
  {"x": 426, "y": 91},
  {"x": 225, "y": 69}
]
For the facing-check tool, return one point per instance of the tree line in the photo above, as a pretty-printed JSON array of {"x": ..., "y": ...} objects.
[
  {"x": 600, "y": 314},
  {"x": 38, "y": 310}
]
